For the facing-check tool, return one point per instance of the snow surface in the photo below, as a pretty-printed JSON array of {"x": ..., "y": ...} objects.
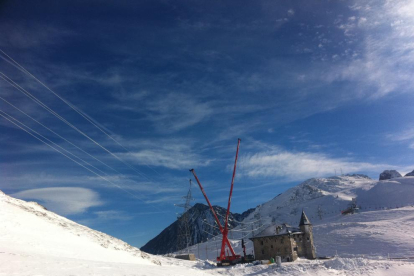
[{"x": 34, "y": 241}]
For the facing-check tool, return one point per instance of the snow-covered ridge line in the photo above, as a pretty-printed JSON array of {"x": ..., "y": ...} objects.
[{"x": 31, "y": 226}]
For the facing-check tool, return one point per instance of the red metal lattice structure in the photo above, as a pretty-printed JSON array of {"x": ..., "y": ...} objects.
[{"x": 224, "y": 230}]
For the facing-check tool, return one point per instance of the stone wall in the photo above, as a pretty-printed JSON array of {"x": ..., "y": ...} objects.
[{"x": 270, "y": 247}]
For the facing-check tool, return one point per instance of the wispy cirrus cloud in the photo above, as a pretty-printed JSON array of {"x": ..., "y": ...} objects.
[
  {"x": 63, "y": 200},
  {"x": 107, "y": 216},
  {"x": 403, "y": 136},
  {"x": 175, "y": 111},
  {"x": 294, "y": 166},
  {"x": 385, "y": 59},
  {"x": 172, "y": 153},
  {"x": 30, "y": 36}
]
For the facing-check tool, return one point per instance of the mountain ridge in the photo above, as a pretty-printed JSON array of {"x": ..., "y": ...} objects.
[
  {"x": 28, "y": 226},
  {"x": 202, "y": 226}
]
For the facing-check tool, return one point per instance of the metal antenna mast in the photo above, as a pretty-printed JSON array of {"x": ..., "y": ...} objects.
[{"x": 183, "y": 233}]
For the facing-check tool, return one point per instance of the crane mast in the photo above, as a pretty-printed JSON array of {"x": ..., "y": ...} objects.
[{"x": 233, "y": 258}]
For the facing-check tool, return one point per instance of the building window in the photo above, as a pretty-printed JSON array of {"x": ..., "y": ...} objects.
[
  {"x": 295, "y": 249},
  {"x": 261, "y": 242},
  {"x": 307, "y": 238},
  {"x": 281, "y": 241},
  {"x": 262, "y": 251},
  {"x": 271, "y": 246}
]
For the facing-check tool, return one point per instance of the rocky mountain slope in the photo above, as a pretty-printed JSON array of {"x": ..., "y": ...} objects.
[
  {"x": 388, "y": 174},
  {"x": 201, "y": 227}
]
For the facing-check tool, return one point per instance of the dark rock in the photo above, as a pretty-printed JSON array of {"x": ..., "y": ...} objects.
[
  {"x": 410, "y": 174},
  {"x": 201, "y": 223},
  {"x": 388, "y": 174}
]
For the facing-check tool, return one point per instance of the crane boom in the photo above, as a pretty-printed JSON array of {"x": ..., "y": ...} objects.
[{"x": 224, "y": 230}]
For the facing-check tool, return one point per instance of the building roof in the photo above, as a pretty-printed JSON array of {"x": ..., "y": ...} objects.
[
  {"x": 304, "y": 219},
  {"x": 284, "y": 229}
]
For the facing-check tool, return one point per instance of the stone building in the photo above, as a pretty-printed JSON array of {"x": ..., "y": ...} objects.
[{"x": 285, "y": 241}]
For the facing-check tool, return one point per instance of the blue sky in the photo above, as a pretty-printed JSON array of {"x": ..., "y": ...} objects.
[{"x": 311, "y": 87}]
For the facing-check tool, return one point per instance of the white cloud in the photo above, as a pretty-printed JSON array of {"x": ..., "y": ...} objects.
[
  {"x": 63, "y": 200},
  {"x": 402, "y": 136},
  {"x": 170, "y": 153},
  {"x": 385, "y": 63},
  {"x": 112, "y": 215},
  {"x": 174, "y": 112},
  {"x": 162, "y": 158},
  {"x": 301, "y": 165},
  {"x": 29, "y": 36}
]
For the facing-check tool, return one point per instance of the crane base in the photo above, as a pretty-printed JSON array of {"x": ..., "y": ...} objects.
[{"x": 229, "y": 262}]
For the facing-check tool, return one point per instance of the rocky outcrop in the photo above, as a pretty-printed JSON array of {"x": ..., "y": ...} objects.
[
  {"x": 388, "y": 174},
  {"x": 410, "y": 174},
  {"x": 201, "y": 227}
]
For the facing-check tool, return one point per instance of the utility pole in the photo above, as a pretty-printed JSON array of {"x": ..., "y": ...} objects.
[
  {"x": 207, "y": 249},
  {"x": 183, "y": 233}
]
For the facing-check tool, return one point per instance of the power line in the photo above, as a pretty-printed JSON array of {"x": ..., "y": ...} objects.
[
  {"x": 86, "y": 117},
  {"x": 231, "y": 230},
  {"x": 11, "y": 119},
  {"x": 81, "y": 113},
  {"x": 59, "y": 135},
  {"x": 50, "y": 141},
  {"x": 251, "y": 222},
  {"x": 33, "y": 98}
]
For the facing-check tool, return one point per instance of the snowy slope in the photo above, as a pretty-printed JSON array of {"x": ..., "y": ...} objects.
[
  {"x": 27, "y": 227},
  {"x": 35, "y": 241}
]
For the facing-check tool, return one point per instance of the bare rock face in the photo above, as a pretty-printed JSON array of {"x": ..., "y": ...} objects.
[
  {"x": 201, "y": 223},
  {"x": 388, "y": 174},
  {"x": 410, "y": 174}
]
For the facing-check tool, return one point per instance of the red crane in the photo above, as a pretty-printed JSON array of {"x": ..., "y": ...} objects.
[{"x": 223, "y": 259}]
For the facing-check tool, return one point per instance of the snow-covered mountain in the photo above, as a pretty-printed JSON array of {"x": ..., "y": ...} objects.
[
  {"x": 382, "y": 226},
  {"x": 201, "y": 223}
]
